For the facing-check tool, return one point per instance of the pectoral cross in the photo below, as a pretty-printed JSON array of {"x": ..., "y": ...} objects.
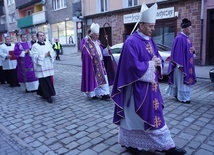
[{"x": 149, "y": 48}]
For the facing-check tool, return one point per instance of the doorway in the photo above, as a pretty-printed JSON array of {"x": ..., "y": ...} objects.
[
  {"x": 103, "y": 32},
  {"x": 210, "y": 38}
]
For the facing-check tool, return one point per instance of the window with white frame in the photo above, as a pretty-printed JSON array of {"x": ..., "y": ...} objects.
[
  {"x": 29, "y": 12},
  {"x": 58, "y": 4},
  {"x": 9, "y": 2},
  {"x": 12, "y": 18},
  {"x": 3, "y": 20},
  {"x": 132, "y": 3},
  {"x": 64, "y": 31},
  {"x": 102, "y": 4}
]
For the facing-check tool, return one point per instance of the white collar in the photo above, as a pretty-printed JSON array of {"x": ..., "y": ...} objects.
[{"x": 143, "y": 35}]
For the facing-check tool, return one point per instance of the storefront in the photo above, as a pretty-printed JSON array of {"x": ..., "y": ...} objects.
[
  {"x": 64, "y": 31},
  {"x": 169, "y": 18},
  {"x": 165, "y": 28}
]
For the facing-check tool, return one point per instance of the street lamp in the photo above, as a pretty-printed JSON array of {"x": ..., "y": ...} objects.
[{"x": 78, "y": 13}]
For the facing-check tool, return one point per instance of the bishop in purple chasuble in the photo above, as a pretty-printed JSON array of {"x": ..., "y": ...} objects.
[
  {"x": 133, "y": 64},
  {"x": 93, "y": 70}
]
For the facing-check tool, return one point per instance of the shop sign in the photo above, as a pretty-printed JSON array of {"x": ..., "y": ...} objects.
[
  {"x": 79, "y": 27},
  {"x": 161, "y": 14},
  {"x": 165, "y": 13},
  {"x": 130, "y": 18}
]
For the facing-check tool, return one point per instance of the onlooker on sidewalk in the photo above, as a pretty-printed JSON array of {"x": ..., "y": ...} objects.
[
  {"x": 25, "y": 68},
  {"x": 33, "y": 39},
  {"x": 136, "y": 93},
  {"x": 9, "y": 62},
  {"x": 94, "y": 77},
  {"x": 57, "y": 48},
  {"x": 43, "y": 58},
  {"x": 181, "y": 70}
]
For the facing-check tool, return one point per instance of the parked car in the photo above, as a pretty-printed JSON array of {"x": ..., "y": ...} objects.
[
  {"x": 211, "y": 73},
  {"x": 163, "y": 50}
]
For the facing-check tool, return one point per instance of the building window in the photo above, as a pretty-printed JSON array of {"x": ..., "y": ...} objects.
[
  {"x": 29, "y": 12},
  {"x": 9, "y": 2},
  {"x": 12, "y": 18},
  {"x": 3, "y": 19},
  {"x": 103, "y": 5},
  {"x": 164, "y": 33},
  {"x": 59, "y": 4},
  {"x": 132, "y": 3},
  {"x": 64, "y": 31}
]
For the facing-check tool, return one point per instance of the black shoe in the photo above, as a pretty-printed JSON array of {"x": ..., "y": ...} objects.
[
  {"x": 49, "y": 99},
  {"x": 17, "y": 85},
  {"x": 175, "y": 151},
  {"x": 94, "y": 98},
  {"x": 106, "y": 97},
  {"x": 26, "y": 91},
  {"x": 33, "y": 91},
  {"x": 185, "y": 102},
  {"x": 132, "y": 150}
]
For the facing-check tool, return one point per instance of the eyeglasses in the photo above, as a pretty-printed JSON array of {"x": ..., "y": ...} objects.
[{"x": 190, "y": 27}]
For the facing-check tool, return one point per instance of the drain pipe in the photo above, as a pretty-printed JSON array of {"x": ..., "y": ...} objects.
[{"x": 202, "y": 25}]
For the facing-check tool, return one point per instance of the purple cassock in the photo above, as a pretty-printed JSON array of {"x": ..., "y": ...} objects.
[
  {"x": 133, "y": 64},
  {"x": 184, "y": 57},
  {"x": 93, "y": 70},
  {"x": 25, "y": 68}
]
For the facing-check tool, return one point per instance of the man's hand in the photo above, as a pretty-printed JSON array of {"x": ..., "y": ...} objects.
[
  {"x": 192, "y": 50},
  {"x": 157, "y": 61},
  {"x": 27, "y": 51},
  {"x": 8, "y": 56},
  {"x": 181, "y": 69},
  {"x": 47, "y": 54}
]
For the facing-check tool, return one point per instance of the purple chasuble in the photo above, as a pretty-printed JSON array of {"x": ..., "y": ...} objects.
[
  {"x": 133, "y": 64},
  {"x": 93, "y": 70},
  {"x": 182, "y": 56},
  {"x": 25, "y": 68}
]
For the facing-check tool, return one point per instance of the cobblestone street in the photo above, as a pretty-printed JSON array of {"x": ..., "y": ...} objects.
[{"x": 74, "y": 125}]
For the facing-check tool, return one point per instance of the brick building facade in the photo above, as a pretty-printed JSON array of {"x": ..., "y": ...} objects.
[{"x": 119, "y": 30}]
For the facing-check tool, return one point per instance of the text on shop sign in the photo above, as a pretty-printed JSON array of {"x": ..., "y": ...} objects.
[{"x": 161, "y": 14}]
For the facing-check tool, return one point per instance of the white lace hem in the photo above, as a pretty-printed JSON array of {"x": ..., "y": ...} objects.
[{"x": 146, "y": 140}]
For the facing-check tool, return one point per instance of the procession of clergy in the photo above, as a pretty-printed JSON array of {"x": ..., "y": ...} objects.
[
  {"x": 28, "y": 64},
  {"x": 136, "y": 94}
]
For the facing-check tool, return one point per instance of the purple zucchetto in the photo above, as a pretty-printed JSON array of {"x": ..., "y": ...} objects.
[{"x": 185, "y": 23}]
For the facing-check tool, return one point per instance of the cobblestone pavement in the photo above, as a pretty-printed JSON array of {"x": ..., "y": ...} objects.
[{"x": 74, "y": 125}]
